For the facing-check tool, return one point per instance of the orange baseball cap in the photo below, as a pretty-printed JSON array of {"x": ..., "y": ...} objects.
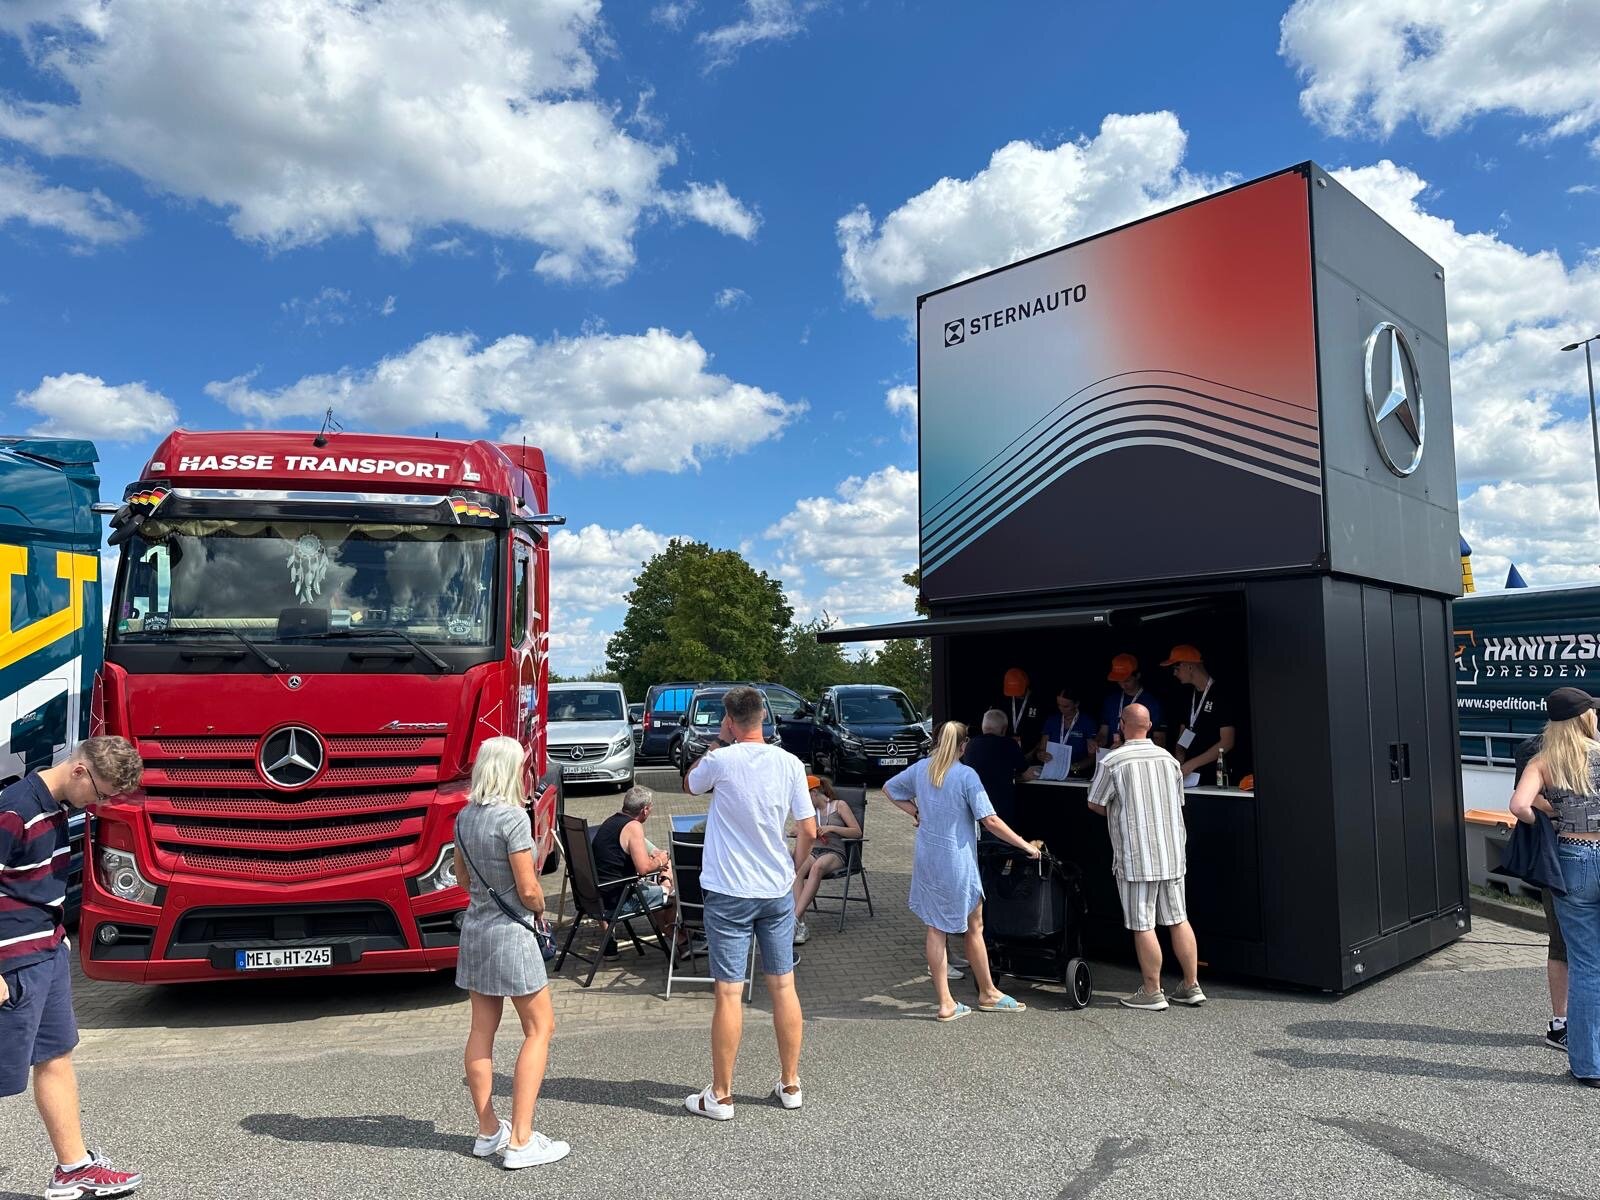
[
  {"x": 1183, "y": 654},
  {"x": 812, "y": 783},
  {"x": 1016, "y": 681},
  {"x": 1123, "y": 666}
]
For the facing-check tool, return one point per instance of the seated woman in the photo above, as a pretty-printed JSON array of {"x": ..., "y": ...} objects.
[{"x": 827, "y": 855}]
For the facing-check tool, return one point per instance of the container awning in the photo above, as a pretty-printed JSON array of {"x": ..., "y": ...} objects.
[{"x": 985, "y": 623}]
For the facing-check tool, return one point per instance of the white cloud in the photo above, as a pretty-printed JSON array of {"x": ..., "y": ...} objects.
[
  {"x": 731, "y": 297},
  {"x": 1584, "y": 189},
  {"x": 387, "y": 309},
  {"x": 639, "y": 402},
  {"x": 1028, "y": 199},
  {"x": 85, "y": 406},
  {"x": 88, "y": 218},
  {"x": 1523, "y": 450},
  {"x": 1371, "y": 65},
  {"x": 308, "y": 119},
  {"x": 714, "y": 205},
  {"x": 673, "y": 14},
  {"x": 591, "y": 569},
  {"x": 330, "y": 306},
  {"x": 763, "y": 21},
  {"x": 901, "y": 400},
  {"x": 845, "y": 554}
]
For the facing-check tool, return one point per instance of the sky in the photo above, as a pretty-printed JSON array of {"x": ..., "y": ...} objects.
[{"x": 678, "y": 245}]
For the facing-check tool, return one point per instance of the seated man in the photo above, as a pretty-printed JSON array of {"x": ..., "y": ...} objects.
[{"x": 621, "y": 850}]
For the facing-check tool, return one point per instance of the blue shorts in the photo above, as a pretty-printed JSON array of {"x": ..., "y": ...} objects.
[
  {"x": 731, "y": 921},
  {"x": 36, "y": 1021},
  {"x": 655, "y": 896}
]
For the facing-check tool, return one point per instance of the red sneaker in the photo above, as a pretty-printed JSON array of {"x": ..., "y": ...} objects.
[{"x": 97, "y": 1177}]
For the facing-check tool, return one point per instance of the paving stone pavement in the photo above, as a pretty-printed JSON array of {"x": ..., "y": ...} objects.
[{"x": 871, "y": 969}]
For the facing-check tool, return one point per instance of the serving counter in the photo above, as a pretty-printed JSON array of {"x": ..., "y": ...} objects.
[{"x": 1224, "y": 877}]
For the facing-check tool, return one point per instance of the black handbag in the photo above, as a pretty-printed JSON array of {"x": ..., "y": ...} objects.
[{"x": 541, "y": 930}]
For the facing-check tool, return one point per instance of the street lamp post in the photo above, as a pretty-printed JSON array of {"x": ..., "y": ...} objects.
[{"x": 1594, "y": 422}]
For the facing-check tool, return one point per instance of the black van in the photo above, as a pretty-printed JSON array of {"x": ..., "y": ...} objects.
[
  {"x": 866, "y": 731},
  {"x": 656, "y": 740}
]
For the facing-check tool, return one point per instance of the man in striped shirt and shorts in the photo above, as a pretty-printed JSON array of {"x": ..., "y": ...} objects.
[
  {"x": 1138, "y": 788},
  {"x": 37, "y": 1027}
]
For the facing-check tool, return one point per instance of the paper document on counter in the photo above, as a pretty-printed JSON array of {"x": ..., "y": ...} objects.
[
  {"x": 1192, "y": 779},
  {"x": 1060, "y": 761}
]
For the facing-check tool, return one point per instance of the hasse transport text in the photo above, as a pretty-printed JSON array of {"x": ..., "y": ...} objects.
[{"x": 307, "y": 643}]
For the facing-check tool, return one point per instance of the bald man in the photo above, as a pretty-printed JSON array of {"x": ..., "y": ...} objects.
[{"x": 1139, "y": 790}]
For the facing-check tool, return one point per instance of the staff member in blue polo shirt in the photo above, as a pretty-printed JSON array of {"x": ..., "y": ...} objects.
[
  {"x": 1130, "y": 689},
  {"x": 1070, "y": 724}
]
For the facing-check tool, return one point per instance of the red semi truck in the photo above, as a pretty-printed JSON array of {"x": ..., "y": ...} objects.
[{"x": 309, "y": 638}]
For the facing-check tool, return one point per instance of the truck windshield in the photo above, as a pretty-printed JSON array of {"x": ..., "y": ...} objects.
[
  {"x": 275, "y": 580},
  {"x": 867, "y": 708},
  {"x": 585, "y": 706}
]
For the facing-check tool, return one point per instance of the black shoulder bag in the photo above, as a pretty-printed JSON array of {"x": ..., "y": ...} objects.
[{"x": 541, "y": 930}]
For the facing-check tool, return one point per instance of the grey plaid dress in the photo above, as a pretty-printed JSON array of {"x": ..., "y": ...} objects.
[{"x": 498, "y": 956}]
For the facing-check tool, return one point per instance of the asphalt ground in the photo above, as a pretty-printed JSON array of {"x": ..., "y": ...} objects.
[{"x": 1432, "y": 1082}]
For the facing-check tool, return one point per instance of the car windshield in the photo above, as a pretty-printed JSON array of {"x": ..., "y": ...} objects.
[
  {"x": 585, "y": 706},
  {"x": 708, "y": 712},
  {"x": 270, "y": 580},
  {"x": 866, "y": 708}
]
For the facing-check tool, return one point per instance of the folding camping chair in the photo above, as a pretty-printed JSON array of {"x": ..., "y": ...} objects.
[
  {"x": 856, "y": 798},
  {"x": 588, "y": 898},
  {"x": 686, "y": 850}
]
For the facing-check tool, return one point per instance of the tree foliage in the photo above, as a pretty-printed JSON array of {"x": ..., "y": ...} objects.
[{"x": 699, "y": 613}]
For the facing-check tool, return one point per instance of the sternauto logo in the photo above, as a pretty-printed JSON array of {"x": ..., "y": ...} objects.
[{"x": 956, "y": 332}]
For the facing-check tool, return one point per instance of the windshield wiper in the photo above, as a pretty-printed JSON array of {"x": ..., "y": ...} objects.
[
  {"x": 391, "y": 633},
  {"x": 272, "y": 663}
]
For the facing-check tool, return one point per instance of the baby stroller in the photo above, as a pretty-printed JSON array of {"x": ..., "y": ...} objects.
[{"x": 1033, "y": 914}]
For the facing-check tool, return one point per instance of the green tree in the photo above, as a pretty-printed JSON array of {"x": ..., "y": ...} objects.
[
  {"x": 699, "y": 613},
  {"x": 907, "y": 664},
  {"x": 810, "y": 665}
]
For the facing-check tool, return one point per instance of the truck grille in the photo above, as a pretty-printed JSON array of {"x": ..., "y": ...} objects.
[{"x": 210, "y": 812}]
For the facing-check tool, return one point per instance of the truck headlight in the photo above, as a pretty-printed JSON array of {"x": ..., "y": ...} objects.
[
  {"x": 442, "y": 874},
  {"x": 119, "y": 875}
]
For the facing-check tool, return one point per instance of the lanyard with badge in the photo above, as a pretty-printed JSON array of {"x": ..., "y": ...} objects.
[
  {"x": 1019, "y": 708},
  {"x": 1195, "y": 709}
]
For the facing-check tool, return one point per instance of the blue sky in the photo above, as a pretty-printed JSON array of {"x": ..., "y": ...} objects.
[{"x": 469, "y": 218}]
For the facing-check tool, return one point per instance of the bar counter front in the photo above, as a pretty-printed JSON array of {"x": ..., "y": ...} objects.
[{"x": 1224, "y": 884}]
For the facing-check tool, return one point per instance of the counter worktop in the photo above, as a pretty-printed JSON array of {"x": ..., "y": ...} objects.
[{"x": 1084, "y": 784}]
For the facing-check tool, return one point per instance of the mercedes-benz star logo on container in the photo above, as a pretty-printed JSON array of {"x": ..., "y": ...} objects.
[
  {"x": 291, "y": 757},
  {"x": 1394, "y": 392}
]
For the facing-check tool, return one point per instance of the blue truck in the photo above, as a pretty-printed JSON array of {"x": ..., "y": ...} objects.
[{"x": 51, "y": 626}]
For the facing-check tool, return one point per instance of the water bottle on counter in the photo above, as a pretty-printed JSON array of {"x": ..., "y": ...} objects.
[{"x": 1222, "y": 769}]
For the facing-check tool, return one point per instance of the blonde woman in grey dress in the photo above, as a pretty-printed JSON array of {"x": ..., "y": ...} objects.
[{"x": 499, "y": 957}]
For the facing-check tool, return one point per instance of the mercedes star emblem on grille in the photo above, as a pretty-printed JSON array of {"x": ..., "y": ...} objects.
[
  {"x": 577, "y": 753},
  {"x": 291, "y": 757}
]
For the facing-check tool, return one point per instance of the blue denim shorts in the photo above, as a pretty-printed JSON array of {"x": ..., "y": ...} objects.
[
  {"x": 655, "y": 896},
  {"x": 731, "y": 921},
  {"x": 36, "y": 1021}
]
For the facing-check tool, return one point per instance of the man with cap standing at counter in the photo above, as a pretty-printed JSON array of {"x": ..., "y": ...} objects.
[
  {"x": 1139, "y": 792},
  {"x": 1209, "y": 730},
  {"x": 1130, "y": 690},
  {"x": 1022, "y": 712}
]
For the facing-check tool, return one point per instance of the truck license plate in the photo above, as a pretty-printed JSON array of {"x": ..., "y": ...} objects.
[
  {"x": 891, "y": 762},
  {"x": 283, "y": 958}
]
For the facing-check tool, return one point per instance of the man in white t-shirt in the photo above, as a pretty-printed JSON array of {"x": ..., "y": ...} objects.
[{"x": 748, "y": 880}]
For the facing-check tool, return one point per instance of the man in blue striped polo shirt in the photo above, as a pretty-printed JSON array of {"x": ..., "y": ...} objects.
[
  {"x": 1139, "y": 790},
  {"x": 37, "y": 1028}
]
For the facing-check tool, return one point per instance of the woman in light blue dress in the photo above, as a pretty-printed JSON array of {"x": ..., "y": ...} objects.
[{"x": 945, "y": 798}]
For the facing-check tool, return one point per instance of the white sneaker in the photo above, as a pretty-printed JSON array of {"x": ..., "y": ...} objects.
[
  {"x": 540, "y": 1151},
  {"x": 706, "y": 1104},
  {"x": 801, "y": 933},
  {"x": 951, "y": 971},
  {"x": 785, "y": 1097},
  {"x": 495, "y": 1142},
  {"x": 955, "y": 960}
]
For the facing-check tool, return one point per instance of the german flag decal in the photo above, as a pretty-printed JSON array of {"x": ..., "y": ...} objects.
[
  {"x": 149, "y": 498},
  {"x": 468, "y": 511}
]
